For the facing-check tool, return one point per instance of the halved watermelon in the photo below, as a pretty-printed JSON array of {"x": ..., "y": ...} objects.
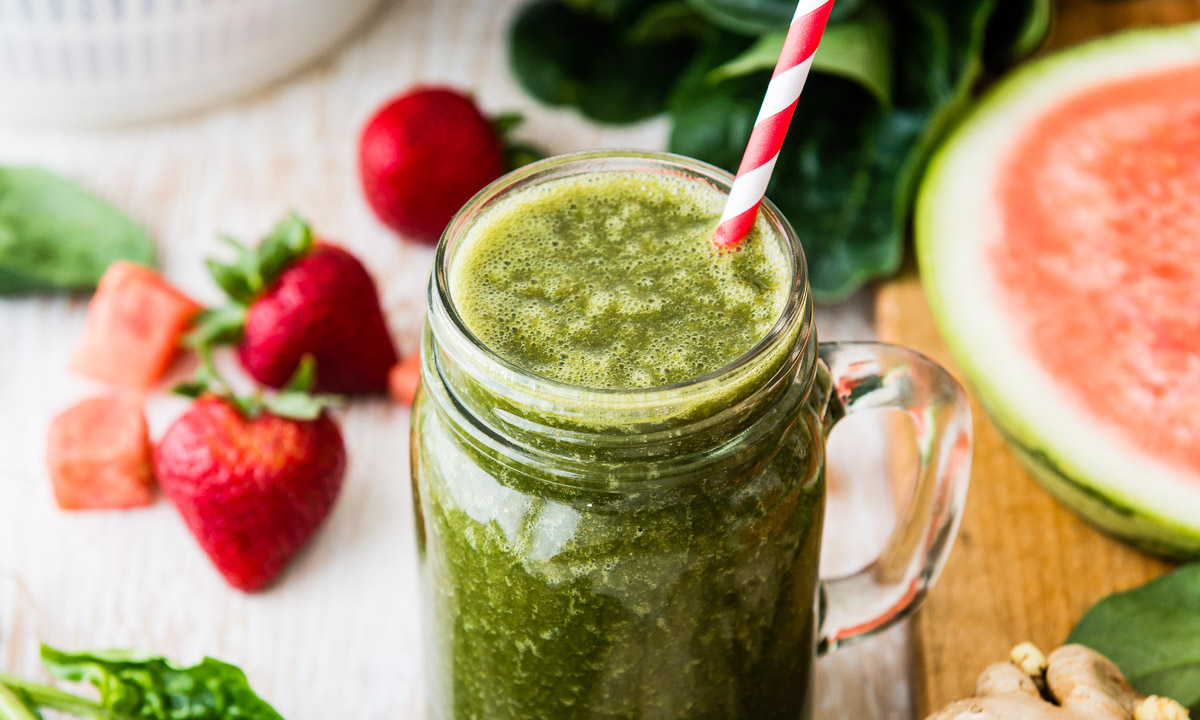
[{"x": 1058, "y": 234}]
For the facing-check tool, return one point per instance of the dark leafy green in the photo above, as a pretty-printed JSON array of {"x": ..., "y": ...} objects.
[
  {"x": 859, "y": 49},
  {"x": 673, "y": 20},
  {"x": 55, "y": 236},
  {"x": 749, "y": 17},
  {"x": 138, "y": 686},
  {"x": 618, "y": 11},
  {"x": 712, "y": 120},
  {"x": 567, "y": 57},
  {"x": 753, "y": 17},
  {"x": 847, "y": 172},
  {"x": 890, "y": 78},
  {"x": 1019, "y": 28},
  {"x": 1153, "y": 634}
]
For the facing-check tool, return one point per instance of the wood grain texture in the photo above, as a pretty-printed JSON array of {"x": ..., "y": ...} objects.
[
  {"x": 1024, "y": 567},
  {"x": 339, "y": 636}
]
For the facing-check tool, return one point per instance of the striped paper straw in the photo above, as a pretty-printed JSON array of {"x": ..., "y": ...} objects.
[{"x": 750, "y": 185}]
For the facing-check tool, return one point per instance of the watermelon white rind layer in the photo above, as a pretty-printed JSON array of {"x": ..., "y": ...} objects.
[{"x": 1088, "y": 465}]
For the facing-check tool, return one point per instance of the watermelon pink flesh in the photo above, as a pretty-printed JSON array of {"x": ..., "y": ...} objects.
[
  {"x": 404, "y": 379},
  {"x": 1100, "y": 262},
  {"x": 98, "y": 454},
  {"x": 134, "y": 325}
]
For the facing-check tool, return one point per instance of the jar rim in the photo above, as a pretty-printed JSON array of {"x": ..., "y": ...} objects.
[{"x": 440, "y": 295}]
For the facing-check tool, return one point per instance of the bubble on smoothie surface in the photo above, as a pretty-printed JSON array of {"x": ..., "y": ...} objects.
[{"x": 609, "y": 281}]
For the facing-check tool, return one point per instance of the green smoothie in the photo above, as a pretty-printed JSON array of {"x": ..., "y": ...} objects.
[
  {"x": 610, "y": 282},
  {"x": 626, "y": 588}
]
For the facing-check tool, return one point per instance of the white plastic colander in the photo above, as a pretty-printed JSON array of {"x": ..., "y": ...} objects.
[{"x": 91, "y": 62}]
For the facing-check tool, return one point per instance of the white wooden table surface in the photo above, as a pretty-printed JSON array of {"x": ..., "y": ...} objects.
[{"x": 338, "y": 637}]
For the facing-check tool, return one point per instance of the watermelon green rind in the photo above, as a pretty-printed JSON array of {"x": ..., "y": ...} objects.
[
  {"x": 1091, "y": 468},
  {"x": 1157, "y": 535}
]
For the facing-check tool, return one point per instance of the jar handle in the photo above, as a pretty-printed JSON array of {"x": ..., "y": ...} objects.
[{"x": 870, "y": 376}]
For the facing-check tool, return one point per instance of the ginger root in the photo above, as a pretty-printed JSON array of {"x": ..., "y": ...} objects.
[
  {"x": 1074, "y": 683},
  {"x": 1159, "y": 708},
  {"x": 1029, "y": 658}
]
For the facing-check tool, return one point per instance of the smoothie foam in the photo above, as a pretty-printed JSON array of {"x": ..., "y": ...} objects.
[{"x": 609, "y": 281}]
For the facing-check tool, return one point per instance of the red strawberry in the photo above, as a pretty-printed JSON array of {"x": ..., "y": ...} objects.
[
  {"x": 324, "y": 305},
  {"x": 253, "y": 479},
  {"x": 294, "y": 297},
  {"x": 423, "y": 155}
]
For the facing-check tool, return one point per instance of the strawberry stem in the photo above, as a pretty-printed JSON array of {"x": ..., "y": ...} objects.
[
  {"x": 294, "y": 401},
  {"x": 516, "y": 154},
  {"x": 305, "y": 377},
  {"x": 217, "y": 326},
  {"x": 504, "y": 123},
  {"x": 252, "y": 271}
]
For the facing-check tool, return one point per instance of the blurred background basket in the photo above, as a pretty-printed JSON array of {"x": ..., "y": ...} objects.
[{"x": 96, "y": 62}]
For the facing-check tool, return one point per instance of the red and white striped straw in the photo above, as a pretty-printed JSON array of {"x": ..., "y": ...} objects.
[{"x": 750, "y": 185}]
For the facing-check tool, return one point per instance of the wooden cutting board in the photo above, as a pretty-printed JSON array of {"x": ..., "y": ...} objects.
[{"x": 1024, "y": 568}]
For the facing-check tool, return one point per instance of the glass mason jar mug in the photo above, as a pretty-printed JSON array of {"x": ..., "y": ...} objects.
[{"x": 653, "y": 553}]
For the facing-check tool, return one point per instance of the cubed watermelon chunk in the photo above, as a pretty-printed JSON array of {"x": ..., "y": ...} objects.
[
  {"x": 134, "y": 324},
  {"x": 99, "y": 455},
  {"x": 404, "y": 378}
]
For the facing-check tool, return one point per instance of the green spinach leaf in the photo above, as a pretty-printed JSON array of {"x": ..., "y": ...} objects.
[
  {"x": 618, "y": 11},
  {"x": 891, "y": 77},
  {"x": 1153, "y": 634},
  {"x": 674, "y": 20},
  {"x": 16, "y": 705},
  {"x": 859, "y": 49},
  {"x": 711, "y": 121},
  {"x": 1019, "y": 28},
  {"x": 753, "y": 17},
  {"x": 759, "y": 57},
  {"x": 54, "y": 235},
  {"x": 138, "y": 686},
  {"x": 565, "y": 57},
  {"x": 848, "y": 169}
]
